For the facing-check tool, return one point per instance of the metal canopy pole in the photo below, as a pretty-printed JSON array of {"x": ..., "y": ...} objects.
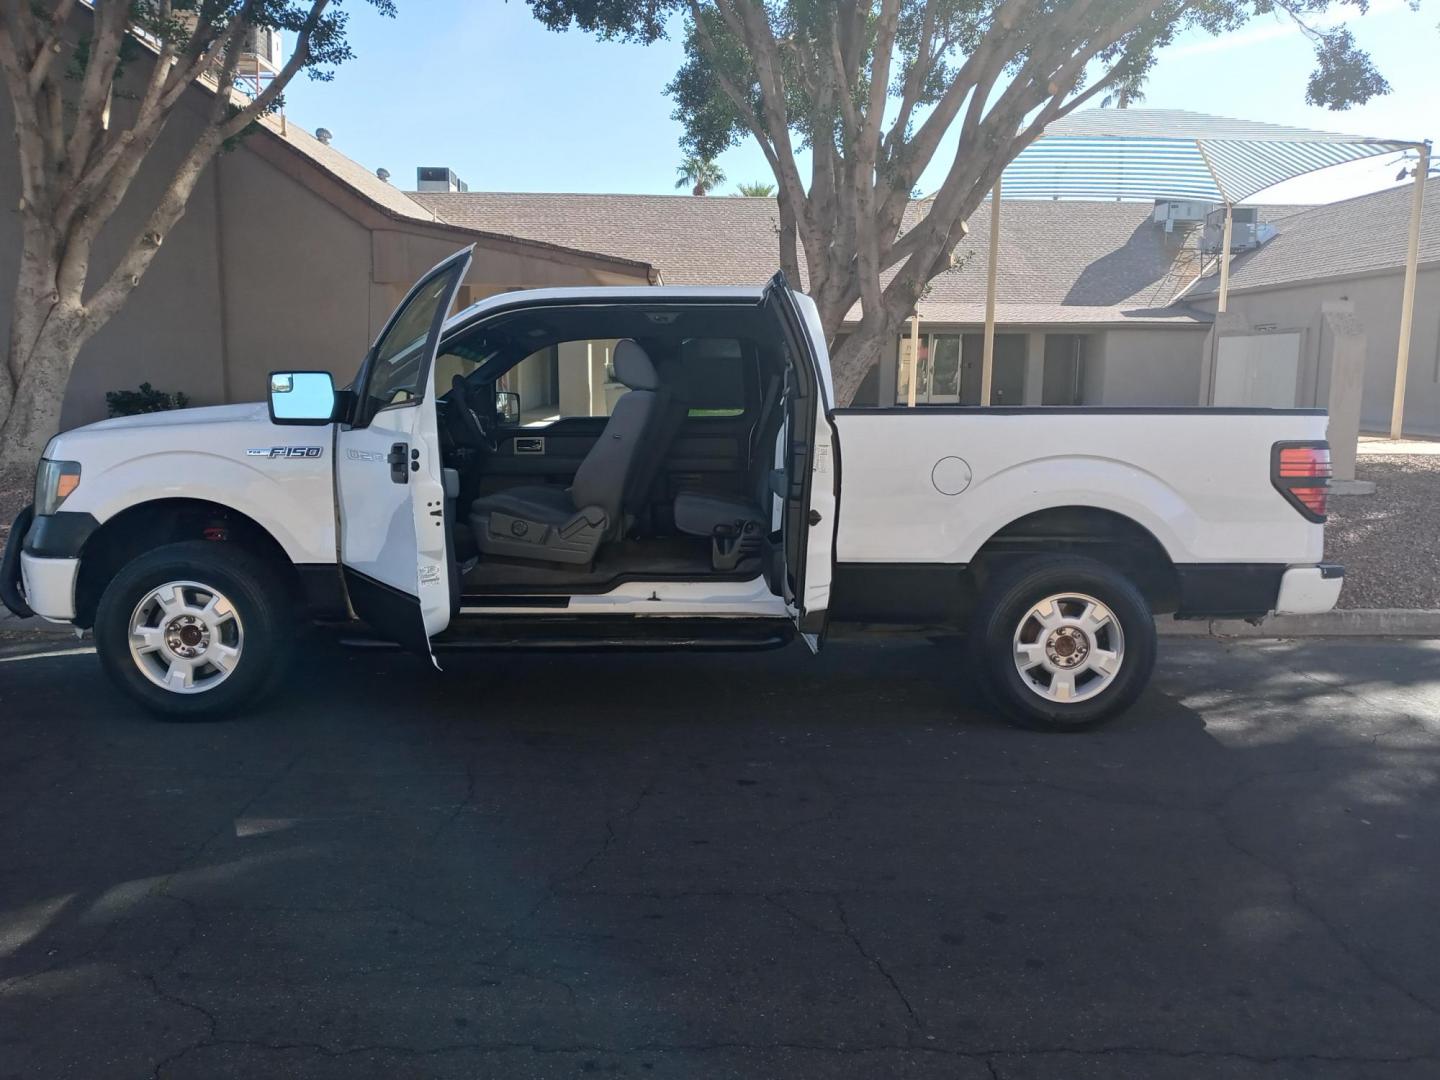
[
  {"x": 1407, "y": 299},
  {"x": 914, "y": 357},
  {"x": 987, "y": 366},
  {"x": 1225, "y": 259}
]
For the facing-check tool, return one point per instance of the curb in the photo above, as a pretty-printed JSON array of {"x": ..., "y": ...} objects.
[{"x": 1358, "y": 622}]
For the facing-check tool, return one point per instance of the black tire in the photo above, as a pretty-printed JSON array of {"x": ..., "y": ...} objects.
[
  {"x": 254, "y": 587},
  {"x": 1003, "y": 606}
]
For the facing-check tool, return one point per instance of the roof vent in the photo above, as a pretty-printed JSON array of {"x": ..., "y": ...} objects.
[
  {"x": 323, "y": 134},
  {"x": 383, "y": 173},
  {"x": 438, "y": 178}
]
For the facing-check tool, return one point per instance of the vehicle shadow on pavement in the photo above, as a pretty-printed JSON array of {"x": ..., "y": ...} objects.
[{"x": 757, "y": 865}]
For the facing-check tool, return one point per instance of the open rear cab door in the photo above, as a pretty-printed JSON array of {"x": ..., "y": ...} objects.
[{"x": 811, "y": 464}]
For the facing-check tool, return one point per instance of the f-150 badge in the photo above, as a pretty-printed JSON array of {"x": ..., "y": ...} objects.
[{"x": 285, "y": 451}]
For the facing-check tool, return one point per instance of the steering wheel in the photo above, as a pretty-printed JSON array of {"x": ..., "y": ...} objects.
[{"x": 477, "y": 431}]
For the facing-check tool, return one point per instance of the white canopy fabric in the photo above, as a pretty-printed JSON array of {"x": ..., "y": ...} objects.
[{"x": 1170, "y": 153}]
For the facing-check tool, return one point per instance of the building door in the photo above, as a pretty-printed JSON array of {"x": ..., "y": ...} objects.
[
  {"x": 1007, "y": 378},
  {"x": 1257, "y": 370},
  {"x": 1064, "y": 369}
]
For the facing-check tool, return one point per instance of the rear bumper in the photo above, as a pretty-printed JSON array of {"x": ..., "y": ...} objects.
[
  {"x": 1309, "y": 590},
  {"x": 1252, "y": 590}
]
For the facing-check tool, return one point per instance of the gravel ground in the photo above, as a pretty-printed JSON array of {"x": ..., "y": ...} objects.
[{"x": 1388, "y": 541}]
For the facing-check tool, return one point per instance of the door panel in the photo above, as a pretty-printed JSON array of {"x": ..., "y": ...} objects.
[
  {"x": 812, "y": 465},
  {"x": 388, "y": 474}
]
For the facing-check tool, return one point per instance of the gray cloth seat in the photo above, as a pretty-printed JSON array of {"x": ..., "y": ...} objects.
[
  {"x": 700, "y": 513},
  {"x": 567, "y": 525}
]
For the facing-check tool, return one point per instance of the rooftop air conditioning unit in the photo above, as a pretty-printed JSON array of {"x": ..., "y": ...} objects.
[
  {"x": 1182, "y": 214},
  {"x": 1247, "y": 231},
  {"x": 438, "y": 178},
  {"x": 261, "y": 49}
]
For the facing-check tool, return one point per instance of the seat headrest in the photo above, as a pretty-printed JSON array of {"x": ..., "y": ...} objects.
[{"x": 633, "y": 366}]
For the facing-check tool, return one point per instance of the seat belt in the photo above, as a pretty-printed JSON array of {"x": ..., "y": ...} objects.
[{"x": 767, "y": 410}]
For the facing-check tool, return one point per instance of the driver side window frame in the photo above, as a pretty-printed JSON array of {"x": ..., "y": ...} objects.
[{"x": 366, "y": 408}]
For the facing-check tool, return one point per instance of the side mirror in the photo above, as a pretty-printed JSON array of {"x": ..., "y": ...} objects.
[
  {"x": 302, "y": 397},
  {"x": 507, "y": 407}
]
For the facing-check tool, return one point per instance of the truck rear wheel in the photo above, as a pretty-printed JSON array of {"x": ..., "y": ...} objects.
[
  {"x": 1063, "y": 642},
  {"x": 195, "y": 629}
]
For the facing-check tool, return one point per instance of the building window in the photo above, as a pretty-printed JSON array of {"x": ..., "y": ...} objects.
[
  {"x": 948, "y": 371},
  {"x": 936, "y": 371},
  {"x": 713, "y": 373}
]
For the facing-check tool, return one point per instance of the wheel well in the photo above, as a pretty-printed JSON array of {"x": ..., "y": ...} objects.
[
  {"x": 1103, "y": 535},
  {"x": 147, "y": 525}
]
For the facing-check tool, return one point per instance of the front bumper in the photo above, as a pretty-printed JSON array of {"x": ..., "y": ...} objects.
[
  {"x": 50, "y": 586},
  {"x": 37, "y": 581},
  {"x": 1309, "y": 590},
  {"x": 12, "y": 593}
]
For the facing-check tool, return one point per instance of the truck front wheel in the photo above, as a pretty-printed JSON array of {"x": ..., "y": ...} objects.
[
  {"x": 1063, "y": 642},
  {"x": 194, "y": 629}
]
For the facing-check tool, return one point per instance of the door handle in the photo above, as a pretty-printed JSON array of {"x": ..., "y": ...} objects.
[{"x": 399, "y": 461}]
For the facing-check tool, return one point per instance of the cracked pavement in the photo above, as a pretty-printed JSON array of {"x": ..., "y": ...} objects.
[{"x": 759, "y": 865}]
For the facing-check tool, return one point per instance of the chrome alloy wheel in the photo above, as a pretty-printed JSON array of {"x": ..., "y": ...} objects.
[
  {"x": 1069, "y": 647},
  {"x": 186, "y": 637}
]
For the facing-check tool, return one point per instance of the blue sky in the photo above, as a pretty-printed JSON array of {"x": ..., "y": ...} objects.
[{"x": 482, "y": 87}]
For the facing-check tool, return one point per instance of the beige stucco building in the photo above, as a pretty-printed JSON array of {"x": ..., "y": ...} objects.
[{"x": 289, "y": 255}]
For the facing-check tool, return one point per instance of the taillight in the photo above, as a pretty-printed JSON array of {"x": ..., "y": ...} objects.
[{"x": 1301, "y": 472}]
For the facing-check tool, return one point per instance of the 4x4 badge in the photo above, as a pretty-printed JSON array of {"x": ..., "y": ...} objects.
[{"x": 285, "y": 451}]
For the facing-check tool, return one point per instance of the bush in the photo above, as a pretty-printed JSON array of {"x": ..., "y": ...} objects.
[{"x": 145, "y": 400}]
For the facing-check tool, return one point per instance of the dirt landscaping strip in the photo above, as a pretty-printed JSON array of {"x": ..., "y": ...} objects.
[
  {"x": 1389, "y": 542},
  {"x": 16, "y": 488}
]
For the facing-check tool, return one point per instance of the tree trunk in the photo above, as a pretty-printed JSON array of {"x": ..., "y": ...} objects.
[
  {"x": 34, "y": 412},
  {"x": 860, "y": 354}
]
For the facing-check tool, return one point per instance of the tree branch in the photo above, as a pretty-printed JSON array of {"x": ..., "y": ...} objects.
[{"x": 51, "y": 45}]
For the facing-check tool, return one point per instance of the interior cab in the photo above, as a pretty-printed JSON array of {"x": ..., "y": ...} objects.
[
  {"x": 591, "y": 445},
  {"x": 625, "y": 452}
]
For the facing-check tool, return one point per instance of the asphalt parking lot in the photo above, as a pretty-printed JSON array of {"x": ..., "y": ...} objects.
[{"x": 727, "y": 866}]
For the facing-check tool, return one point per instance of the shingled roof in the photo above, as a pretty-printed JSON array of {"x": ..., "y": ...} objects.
[
  {"x": 1060, "y": 262},
  {"x": 1364, "y": 235}
]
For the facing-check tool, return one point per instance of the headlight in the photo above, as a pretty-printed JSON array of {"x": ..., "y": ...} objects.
[{"x": 54, "y": 481}]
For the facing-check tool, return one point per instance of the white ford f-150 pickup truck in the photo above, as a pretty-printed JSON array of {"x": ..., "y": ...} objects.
[{"x": 692, "y": 486}]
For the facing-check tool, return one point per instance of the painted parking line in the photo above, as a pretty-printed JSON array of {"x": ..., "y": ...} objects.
[{"x": 48, "y": 655}]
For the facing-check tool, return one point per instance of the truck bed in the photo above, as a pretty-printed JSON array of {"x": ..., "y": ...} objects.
[{"x": 931, "y": 485}]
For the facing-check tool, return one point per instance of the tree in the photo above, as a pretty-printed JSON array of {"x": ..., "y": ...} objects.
[
  {"x": 871, "y": 88},
  {"x": 700, "y": 174},
  {"x": 758, "y": 190},
  {"x": 93, "y": 91}
]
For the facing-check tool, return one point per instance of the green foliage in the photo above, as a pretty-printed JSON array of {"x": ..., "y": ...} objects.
[
  {"x": 145, "y": 400},
  {"x": 1344, "y": 74},
  {"x": 757, "y": 190}
]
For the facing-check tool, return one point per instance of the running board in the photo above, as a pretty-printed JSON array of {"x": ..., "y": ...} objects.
[{"x": 598, "y": 634}]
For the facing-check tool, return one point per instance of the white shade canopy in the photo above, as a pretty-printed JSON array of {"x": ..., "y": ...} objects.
[{"x": 1170, "y": 153}]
